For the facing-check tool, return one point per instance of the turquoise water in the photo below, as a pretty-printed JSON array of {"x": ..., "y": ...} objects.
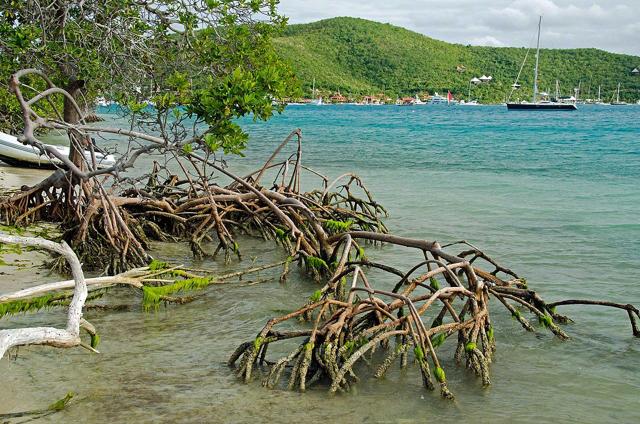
[{"x": 554, "y": 196}]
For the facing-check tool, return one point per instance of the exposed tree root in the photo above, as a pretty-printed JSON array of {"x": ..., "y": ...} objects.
[{"x": 452, "y": 293}]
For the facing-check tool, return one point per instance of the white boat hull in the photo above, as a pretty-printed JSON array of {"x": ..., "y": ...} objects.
[{"x": 14, "y": 153}]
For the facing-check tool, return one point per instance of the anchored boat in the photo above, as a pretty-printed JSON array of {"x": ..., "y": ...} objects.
[
  {"x": 536, "y": 103},
  {"x": 14, "y": 153}
]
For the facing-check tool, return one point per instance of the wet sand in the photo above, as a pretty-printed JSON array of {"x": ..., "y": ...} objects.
[
  {"x": 13, "y": 177},
  {"x": 18, "y": 271}
]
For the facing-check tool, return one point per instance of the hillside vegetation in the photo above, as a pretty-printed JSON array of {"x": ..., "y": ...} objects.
[{"x": 356, "y": 57}]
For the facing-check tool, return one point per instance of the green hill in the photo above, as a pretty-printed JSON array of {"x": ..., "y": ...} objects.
[{"x": 358, "y": 57}]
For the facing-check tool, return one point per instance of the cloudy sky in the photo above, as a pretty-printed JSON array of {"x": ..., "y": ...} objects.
[{"x": 612, "y": 25}]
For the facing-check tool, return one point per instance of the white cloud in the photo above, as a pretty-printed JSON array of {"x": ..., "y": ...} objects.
[
  {"x": 487, "y": 40},
  {"x": 606, "y": 24}
]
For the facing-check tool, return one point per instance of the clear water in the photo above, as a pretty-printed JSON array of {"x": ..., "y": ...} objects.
[{"x": 553, "y": 195}]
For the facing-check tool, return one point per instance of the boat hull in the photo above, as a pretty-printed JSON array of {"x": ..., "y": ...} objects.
[
  {"x": 14, "y": 153},
  {"x": 541, "y": 106}
]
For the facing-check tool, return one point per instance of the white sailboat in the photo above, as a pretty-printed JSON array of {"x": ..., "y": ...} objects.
[
  {"x": 315, "y": 101},
  {"x": 536, "y": 103},
  {"x": 470, "y": 102},
  {"x": 599, "y": 99},
  {"x": 618, "y": 102}
]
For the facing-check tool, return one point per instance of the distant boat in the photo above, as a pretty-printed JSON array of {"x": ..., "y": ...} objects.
[
  {"x": 14, "y": 153},
  {"x": 599, "y": 99},
  {"x": 417, "y": 101},
  {"x": 618, "y": 102},
  {"x": 437, "y": 99},
  {"x": 102, "y": 102},
  {"x": 536, "y": 103},
  {"x": 470, "y": 102},
  {"x": 315, "y": 101},
  {"x": 450, "y": 98}
]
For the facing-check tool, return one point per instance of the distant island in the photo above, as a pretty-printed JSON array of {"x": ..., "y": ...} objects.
[{"x": 357, "y": 57}]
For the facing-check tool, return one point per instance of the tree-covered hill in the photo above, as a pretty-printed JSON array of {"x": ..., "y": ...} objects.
[{"x": 358, "y": 56}]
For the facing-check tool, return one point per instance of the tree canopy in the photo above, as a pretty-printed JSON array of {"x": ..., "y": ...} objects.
[{"x": 213, "y": 58}]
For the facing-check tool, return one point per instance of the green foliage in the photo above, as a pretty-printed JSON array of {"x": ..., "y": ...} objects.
[
  {"x": 62, "y": 403},
  {"x": 351, "y": 346},
  {"x": 438, "y": 340},
  {"x": 217, "y": 65},
  {"x": 316, "y": 263},
  {"x": 470, "y": 346},
  {"x": 27, "y": 305},
  {"x": 257, "y": 343},
  {"x": 440, "y": 375},
  {"x": 12, "y": 229},
  {"x": 358, "y": 57},
  {"x": 490, "y": 333},
  {"x": 546, "y": 321},
  {"x": 335, "y": 227},
  {"x": 281, "y": 234},
  {"x": 95, "y": 340},
  {"x": 152, "y": 296},
  {"x": 308, "y": 346},
  {"x": 434, "y": 283},
  {"x": 156, "y": 265},
  {"x": 316, "y": 296},
  {"x": 418, "y": 352}
]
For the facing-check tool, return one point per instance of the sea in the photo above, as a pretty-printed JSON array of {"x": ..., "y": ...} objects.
[{"x": 555, "y": 196}]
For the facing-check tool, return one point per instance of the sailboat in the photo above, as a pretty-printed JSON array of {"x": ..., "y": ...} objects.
[
  {"x": 315, "y": 101},
  {"x": 618, "y": 102},
  {"x": 599, "y": 100},
  {"x": 537, "y": 104}
]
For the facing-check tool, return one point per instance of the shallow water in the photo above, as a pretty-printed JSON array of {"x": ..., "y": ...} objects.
[{"x": 552, "y": 195}]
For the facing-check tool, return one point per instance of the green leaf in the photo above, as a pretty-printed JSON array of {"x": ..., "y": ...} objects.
[
  {"x": 316, "y": 296},
  {"x": 440, "y": 375},
  {"x": 438, "y": 340},
  {"x": 434, "y": 283},
  {"x": 257, "y": 343},
  {"x": 156, "y": 265},
  {"x": 62, "y": 403},
  {"x": 95, "y": 340}
]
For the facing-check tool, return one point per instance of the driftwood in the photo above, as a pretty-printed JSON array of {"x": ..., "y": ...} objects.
[
  {"x": 50, "y": 336},
  {"x": 159, "y": 283}
]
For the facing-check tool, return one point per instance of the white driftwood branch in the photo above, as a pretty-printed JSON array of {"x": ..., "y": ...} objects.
[
  {"x": 131, "y": 278},
  {"x": 50, "y": 336}
]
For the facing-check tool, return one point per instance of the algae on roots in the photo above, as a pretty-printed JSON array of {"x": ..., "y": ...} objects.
[{"x": 152, "y": 296}]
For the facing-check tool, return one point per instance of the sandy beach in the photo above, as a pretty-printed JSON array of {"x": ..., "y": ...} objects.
[{"x": 13, "y": 177}]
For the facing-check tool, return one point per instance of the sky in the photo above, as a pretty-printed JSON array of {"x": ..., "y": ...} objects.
[{"x": 612, "y": 25}]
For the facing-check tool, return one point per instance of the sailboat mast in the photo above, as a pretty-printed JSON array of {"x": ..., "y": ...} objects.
[
  {"x": 535, "y": 75},
  {"x": 618, "y": 94},
  {"x": 599, "y": 93}
]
